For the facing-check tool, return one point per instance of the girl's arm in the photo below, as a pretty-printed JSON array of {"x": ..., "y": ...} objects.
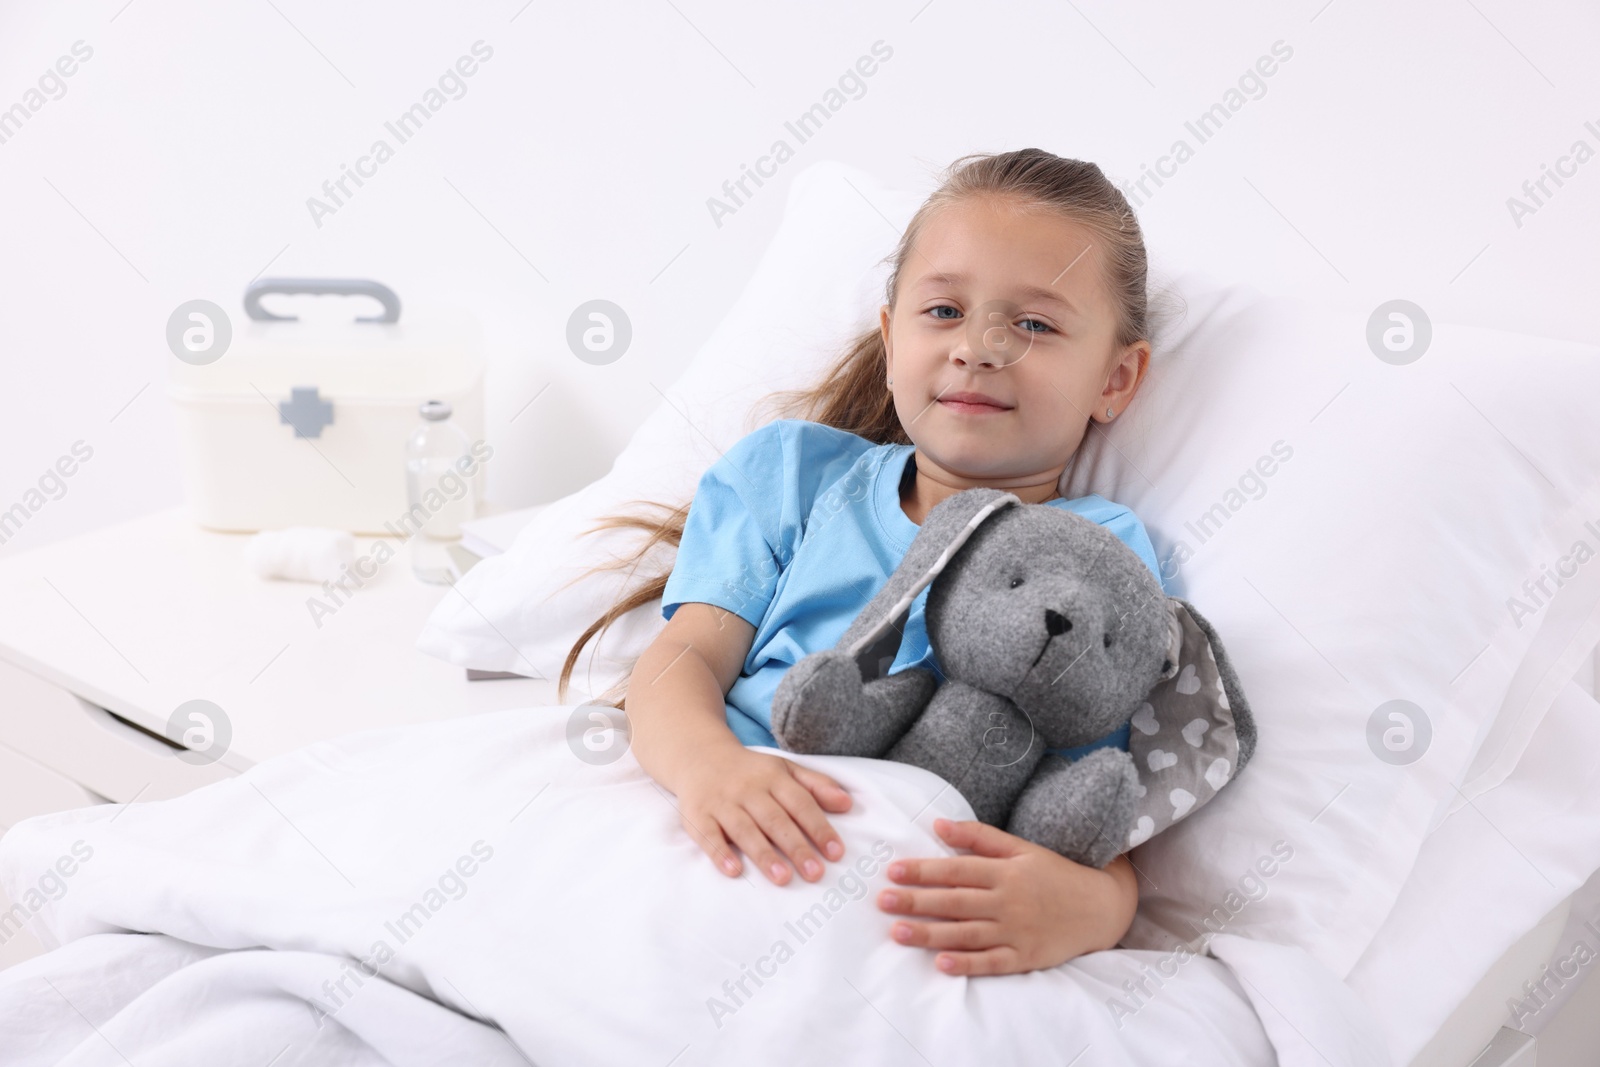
[
  {"x": 680, "y": 736},
  {"x": 1018, "y": 906}
]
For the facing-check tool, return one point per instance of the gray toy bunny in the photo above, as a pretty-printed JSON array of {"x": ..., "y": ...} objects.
[{"x": 1050, "y": 632}]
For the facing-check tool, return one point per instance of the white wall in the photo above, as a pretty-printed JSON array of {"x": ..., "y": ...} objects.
[{"x": 178, "y": 162}]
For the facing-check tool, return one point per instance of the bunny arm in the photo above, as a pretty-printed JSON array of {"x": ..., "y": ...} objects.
[
  {"x": 822, "y": 707},
  {"x": 1083, "y": 809},
  {"x": 979, "y": 742}
]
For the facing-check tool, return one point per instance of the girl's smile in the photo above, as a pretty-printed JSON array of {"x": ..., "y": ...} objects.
[{"x": 974, "y": 403}]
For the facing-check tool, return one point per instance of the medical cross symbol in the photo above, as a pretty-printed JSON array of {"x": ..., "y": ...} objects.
[{"x": 305, "y": 411}]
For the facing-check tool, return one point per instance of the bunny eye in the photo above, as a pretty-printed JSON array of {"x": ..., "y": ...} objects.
[
  {"x": 1015, "y": 582},
  {"x": 1108, "y": 639}
]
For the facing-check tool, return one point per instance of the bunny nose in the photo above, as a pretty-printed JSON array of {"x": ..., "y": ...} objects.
[{"x": 1055, "y": 622}]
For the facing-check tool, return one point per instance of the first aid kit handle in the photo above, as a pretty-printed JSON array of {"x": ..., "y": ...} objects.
[{"x": 320, "y": 287}]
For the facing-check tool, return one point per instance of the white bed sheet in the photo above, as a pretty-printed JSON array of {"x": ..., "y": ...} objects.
[{"x": 593, "y": 931}]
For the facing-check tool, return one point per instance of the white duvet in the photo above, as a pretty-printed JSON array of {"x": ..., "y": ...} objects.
[{"x": 473, "y": 892}]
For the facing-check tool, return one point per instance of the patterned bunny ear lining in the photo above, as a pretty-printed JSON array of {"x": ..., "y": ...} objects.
[{"x": 1182, "y": 740}]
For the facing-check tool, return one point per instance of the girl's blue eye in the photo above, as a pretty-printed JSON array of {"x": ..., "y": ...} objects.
[
  {"x": 943, "y": 307},
  {"x": 1044, "y": 327}
]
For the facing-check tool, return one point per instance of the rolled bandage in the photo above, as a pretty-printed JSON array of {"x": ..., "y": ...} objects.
[{"x": 300, "y": 553}]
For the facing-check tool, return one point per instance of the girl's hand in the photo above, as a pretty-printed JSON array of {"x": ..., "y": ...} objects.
[
  {"x": 758, "y": 801},
  {"x": 1017, "y": 906}
]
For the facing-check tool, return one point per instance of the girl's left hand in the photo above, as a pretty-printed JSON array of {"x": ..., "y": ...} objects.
[{"x": 1016, "y": 906}]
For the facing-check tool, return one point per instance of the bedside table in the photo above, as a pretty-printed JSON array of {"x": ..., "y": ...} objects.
[{"x": 103, "y": 636}]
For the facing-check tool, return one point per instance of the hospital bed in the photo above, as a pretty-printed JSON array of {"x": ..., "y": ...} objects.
[{"x": 1466, "y": 931}]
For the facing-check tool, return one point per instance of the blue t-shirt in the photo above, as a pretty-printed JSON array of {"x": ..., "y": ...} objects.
[{"x": 794, "y": 530}]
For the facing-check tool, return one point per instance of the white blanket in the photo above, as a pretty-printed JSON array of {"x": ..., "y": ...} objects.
[{"x": 471, "y": 891}]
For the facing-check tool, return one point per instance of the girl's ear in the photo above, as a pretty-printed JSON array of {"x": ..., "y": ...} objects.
[
  {"x": 1194, "y": 732},
  {"x": 888, "y": 343},
  {"x": 1124, "y": 378}
]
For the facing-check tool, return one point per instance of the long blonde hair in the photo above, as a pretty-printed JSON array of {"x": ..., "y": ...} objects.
[{"x": 851, "y": 395}]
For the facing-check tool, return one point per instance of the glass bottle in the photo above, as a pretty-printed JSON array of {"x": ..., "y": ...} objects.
[{"x": 439, "y": 496}]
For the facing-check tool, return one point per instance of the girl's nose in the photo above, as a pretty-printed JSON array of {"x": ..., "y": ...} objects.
[
  {"x": 965, "y": 355},
  {"x": 962, "y": 352}
]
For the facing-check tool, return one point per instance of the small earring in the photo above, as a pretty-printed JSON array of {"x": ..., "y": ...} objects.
[
  {"x": 891, "y": 381},
  {"x": 1109, "y": 414}
]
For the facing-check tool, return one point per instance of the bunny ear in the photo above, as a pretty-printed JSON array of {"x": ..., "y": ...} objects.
[
  {"x": 1194, "y": 732},
  {"x": 874, "y": 637}
]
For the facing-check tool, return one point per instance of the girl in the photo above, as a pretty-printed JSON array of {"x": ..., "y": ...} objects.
[{"x": 1016, "y": 314}]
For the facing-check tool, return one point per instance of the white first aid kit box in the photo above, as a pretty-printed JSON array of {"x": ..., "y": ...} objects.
[{"x": 305, "y": 423}]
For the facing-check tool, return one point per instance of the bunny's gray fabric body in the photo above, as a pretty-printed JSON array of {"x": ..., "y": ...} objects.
[{"x": 1050, "y": 633}]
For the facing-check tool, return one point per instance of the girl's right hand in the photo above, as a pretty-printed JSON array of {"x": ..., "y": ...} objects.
[{"x": 757, "y": 801}]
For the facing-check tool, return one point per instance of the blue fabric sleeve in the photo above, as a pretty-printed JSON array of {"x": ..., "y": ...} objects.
[
  {"x": 733, "y": 544},
  {"x": 748, "y": 515}
]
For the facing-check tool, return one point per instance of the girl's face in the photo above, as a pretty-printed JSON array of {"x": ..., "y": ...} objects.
[{"x": 1004, "y": 301}]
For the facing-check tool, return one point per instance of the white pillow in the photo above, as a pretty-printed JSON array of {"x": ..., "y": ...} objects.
[
  {"x": 1375, "y": 564},
  {"x": 1483, "y": 879},
  {"x": 1405, "y": 505}
]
